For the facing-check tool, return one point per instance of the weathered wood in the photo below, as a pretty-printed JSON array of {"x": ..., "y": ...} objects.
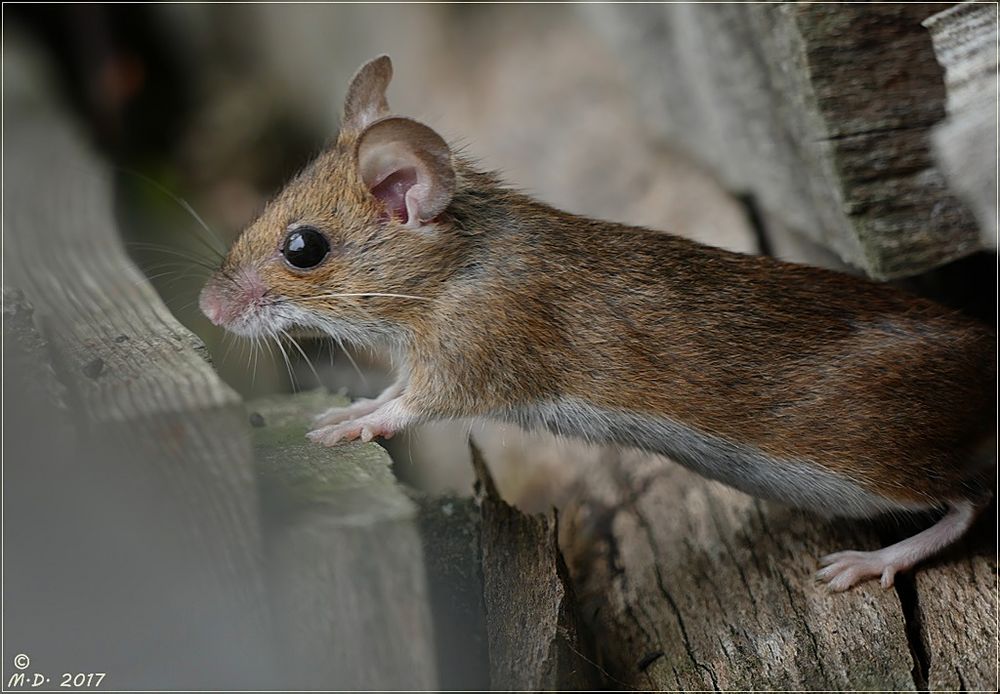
[
  {"x": 965, "y": 145},
  {"x": 155, "y": 423},
  {"x": 956, "y": 613},
  {"x": 691, "y": 585},
  {"x": 450, "y": 531},
  {"x": 29, "y": 350},
  {"x": 822, "y": 112},
  {"x": 344, "y": 559},
  {"x": 534, "y": 640}
]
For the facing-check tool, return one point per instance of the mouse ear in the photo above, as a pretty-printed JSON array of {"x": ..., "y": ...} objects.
[
  {"x": 365, "y": 102},
  {"x": 407, "y": 166}
]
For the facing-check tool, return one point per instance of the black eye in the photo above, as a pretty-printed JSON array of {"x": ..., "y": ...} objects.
[{"x": 305, "y": 248}]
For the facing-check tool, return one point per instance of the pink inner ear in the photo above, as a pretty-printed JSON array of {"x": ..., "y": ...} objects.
[{"x": 392, "y": 189}]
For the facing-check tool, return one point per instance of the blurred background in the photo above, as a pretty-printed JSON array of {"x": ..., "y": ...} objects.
[{"x": 205, "y": 110}]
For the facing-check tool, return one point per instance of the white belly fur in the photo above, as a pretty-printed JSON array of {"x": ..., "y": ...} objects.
[{"x": 796, "y": 482}]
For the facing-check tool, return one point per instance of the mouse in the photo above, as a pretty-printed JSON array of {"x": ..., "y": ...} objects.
[{"x": 808, "y": 386}]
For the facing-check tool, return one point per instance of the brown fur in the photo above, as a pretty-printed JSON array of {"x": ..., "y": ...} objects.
[{"x": 528, "y": 303}]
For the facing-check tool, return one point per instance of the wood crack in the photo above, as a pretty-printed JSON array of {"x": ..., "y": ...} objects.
[
  {"x": 874, "y": 131},
  {"x": 713, "y": 512},
  {"x": 805, "y": 625},
  {"x": 644, "y": 523},
  {"x": 909, "y": 603}
]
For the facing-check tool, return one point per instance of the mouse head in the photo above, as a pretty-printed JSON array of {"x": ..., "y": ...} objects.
[{"x": 358, "y": 243}]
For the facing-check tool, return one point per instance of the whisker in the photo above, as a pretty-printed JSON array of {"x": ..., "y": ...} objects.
[
  {"x": 175, "y": 274},
  {"x": 409, "y": 446},
  {"x": 288, "y": 363},
  {"x": 187, "y": 208},
  {"x": 227, "y": 337},
  {"x": 254, "y": 354},
  {"x": 185, "y": 307},
  {"x": 243, "y": 349},
  {"x": 302, "y": 352},
  {"x": 260, "y": 343},
  {"x": 189, "y": 256},
  {"x": 351, "y": 359},
  {"x": 270, "y": 352},
  {"x": 177, "y": 271},
  {"x": 171, "y": 284},
  {"x": 177, "y": 268},
  {"x": 171, "y": 262},
  {"x": 348, "y": 295}
]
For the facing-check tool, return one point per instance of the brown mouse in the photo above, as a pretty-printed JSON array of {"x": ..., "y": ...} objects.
[{"x": 804, "y": 385}]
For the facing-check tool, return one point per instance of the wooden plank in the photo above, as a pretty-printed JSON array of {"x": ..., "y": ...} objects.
[
  {"x": 956, "y": 615},
  {"x": 450, "y": 532},
  {"x": 821, "y": 112},
  {"x": 96, "y": 576},
  {"x": 965, "y": 43},
  {"x": 534, "y": 639},
  {"x": 154, "y": 418},
  {"x": 344, "y": 557},
  {"x": 691, "y": 585}
]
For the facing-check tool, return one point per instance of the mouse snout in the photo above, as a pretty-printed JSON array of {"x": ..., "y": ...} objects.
[
  {"x": 224, "y": 300},
  {"x": 212, "y": 305}
]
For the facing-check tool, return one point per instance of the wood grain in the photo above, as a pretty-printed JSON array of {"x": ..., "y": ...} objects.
[
  {"x": 450, "y": 533},
  {"x": 166, "y": 438},
  {"x": 965, "y": 40},
  {"x": 132, "y": 370},
  {"x": 692, "y": 585},
  {"x": 821, "y": 112},
  {"x": 956, "y": 614},
  {"x": 535, "y": 642},
  {"x": 345, "y": 563}
]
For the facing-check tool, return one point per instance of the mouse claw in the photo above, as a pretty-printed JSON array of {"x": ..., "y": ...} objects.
[
  {"x": 844, "y": 570},
  {"x": 333, "y": 435},
  {"x": 384, "y": 423},
  {"x": 375, "y": 430}
]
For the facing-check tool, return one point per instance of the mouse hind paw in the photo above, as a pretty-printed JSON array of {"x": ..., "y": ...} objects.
[{"x": 844, "y": 570}]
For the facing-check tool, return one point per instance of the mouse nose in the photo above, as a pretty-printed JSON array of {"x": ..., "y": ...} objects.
[
  {"x": 212, "y": 305},
  {"x": 225, "y": 300}
]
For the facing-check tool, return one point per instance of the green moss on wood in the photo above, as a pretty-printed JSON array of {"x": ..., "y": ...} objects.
[{"x": 355, "y": 480}]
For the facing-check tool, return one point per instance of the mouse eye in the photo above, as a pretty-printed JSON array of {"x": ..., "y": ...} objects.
[{"x": 304, "y": 248}]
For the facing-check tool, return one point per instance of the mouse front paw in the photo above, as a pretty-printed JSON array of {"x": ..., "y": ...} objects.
[
  {"x": 343, "y": 415},
  {"x": 333, "y": 434},
  {"x": 383, "y": 422},
  {"x": 351, "y": 431},
  {"x": 362, "y": 407}
]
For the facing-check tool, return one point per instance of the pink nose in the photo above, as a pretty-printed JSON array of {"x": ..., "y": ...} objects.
[
  {"x": 224, "y": 300},
  {"x": 212, "y": 305}
]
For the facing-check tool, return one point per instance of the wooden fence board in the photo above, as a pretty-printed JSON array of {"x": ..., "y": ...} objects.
[
  {"x": 450, "y": 532},
  {"x": 148, "y": 406},
  {"x": 344, "y": 558}
]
